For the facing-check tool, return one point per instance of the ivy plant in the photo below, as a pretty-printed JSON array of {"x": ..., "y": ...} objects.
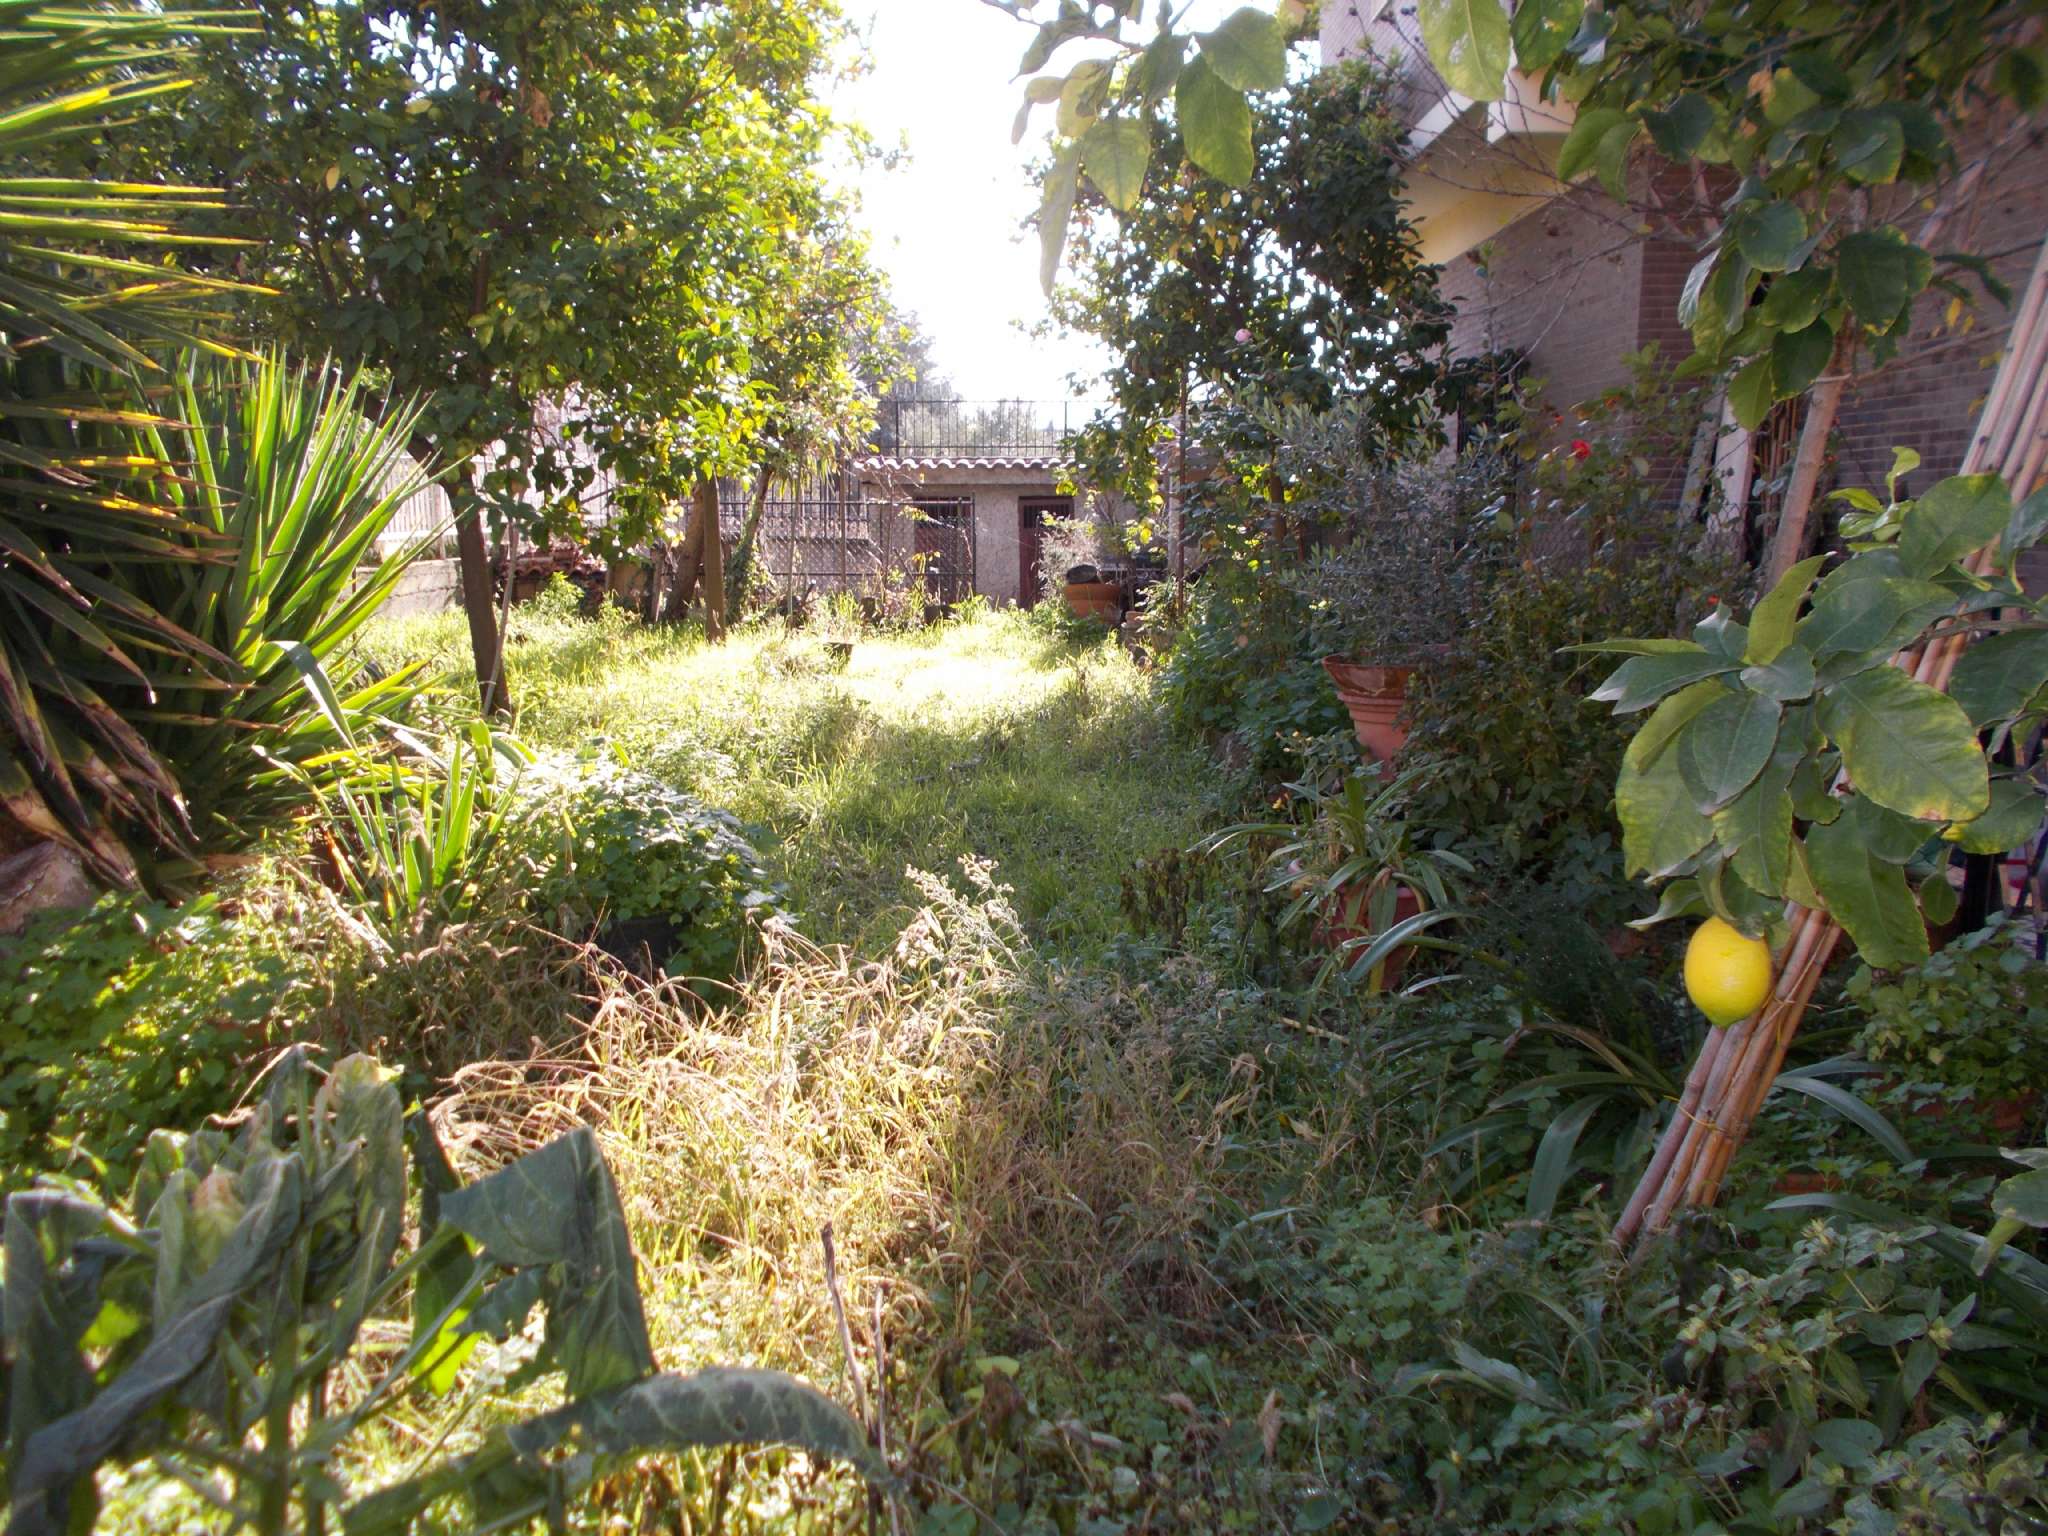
[
  {"x": 207, "y": 1326},
  {"x": 1786, "y": 759}
]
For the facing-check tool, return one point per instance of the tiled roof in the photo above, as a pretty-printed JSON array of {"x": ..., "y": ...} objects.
[{"x": 880, "y": 463}]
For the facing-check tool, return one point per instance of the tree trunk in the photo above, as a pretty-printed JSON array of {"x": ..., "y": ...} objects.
[
  {"x": 714, "y": 560},
  {"x": 743, "y": 558},
  {"x": 689, "y": 566},
  {"x": 474, "y": 558}
]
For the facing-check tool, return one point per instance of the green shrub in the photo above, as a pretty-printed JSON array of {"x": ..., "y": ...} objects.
[
  {"x": 632, "y": 848},
  {"x": 131, "y": 1016},
  {"x": 1969, "y": 1022}
]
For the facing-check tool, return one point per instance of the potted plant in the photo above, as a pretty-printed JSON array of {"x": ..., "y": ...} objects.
[
  {"x": 1350, "y": 859},
  {"x": 1390, "y": 595}
]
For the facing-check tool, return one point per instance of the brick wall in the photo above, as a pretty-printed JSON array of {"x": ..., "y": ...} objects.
[{"x": 1929, "y": 399}]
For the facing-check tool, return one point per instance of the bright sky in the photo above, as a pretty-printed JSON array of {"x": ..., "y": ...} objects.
[{"x": 947, "y": 224}]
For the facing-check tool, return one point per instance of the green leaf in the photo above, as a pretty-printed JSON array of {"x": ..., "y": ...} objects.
[
  {"x": 1796, "y": 299},
  {"x": 1756, "y": 828},
  {"x": 1581, "y": 146},
  {"x": 1999, "y": 676},
  {"x": 1553, "y": 1163},
  {"x": 1055, "y": 208},
  {"x": 1937, "y": 898},
  {"x": 1610, "y": 158},
  {"x": 1668, "y": 719},
  {"x": 1777, "y": 613},
  {"x": 2011, "y": 821},
  {"x": 1770, "y": 234},
  {"x": 1864, "y": 603},
  {"x": 1867, "y": 895},
  {"x": 1158, "y": 67},
  {"x": 1082, "y": 97},
  {"x": 1851, "y": 1442},
  {"x": 1469, "y": 42},
  {"x": 1642, "y": 681},
  {"x": 1215, "y": 123},
  {"x": 1869, "y": 146},
  {"x": 1113, "y": 153},
  {"x": 1787, "y": 679},
  {"x": 1721, "y": 752},
  {"x": 2023, "y": 530},
  {"x": 2023, "y": 1198},
  {"x": 1542, "y": 28},
  {"x": 1680, "y": 129},
  {"x": 515, "y": 1477},
  {"x": 556, "y": 1209},
  {"x": 1248, "y": 51},
  {"x": 1880, "y": 273},
  {"x": 1961, "y": 514},
  {"x": 1852, "y": 1109},
  {"x": 1753, "y": 391},
  {"x": 1661, "y": 827},
  {"x": 1801, "y": 357},
  {"x": 1907, "y": 746}
]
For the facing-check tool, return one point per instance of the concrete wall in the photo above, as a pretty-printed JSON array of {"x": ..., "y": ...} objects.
[{"x": 428, "y": 586}]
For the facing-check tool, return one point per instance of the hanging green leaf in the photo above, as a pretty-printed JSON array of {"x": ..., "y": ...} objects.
[
  {"x": 1681, "y": 128},
  {"x": 1799, "y": 357},
  {"x": 1870, "y": 145},
  {"x": 2029, "y": 520},
  {"x": 1542, "y": 28},
  {"x": 1864, "y": 602},
  {"x": 1788, "y": 678},
  {"x": 1753, "y": 391},
  {"x": 1867, "y": 895},
  {"x": 2011, "y": 821},
  {"x": 1248, "y": 51},
  {"x": 1960, "y": 514},
  {"x": 1668, "y": 719},
  {"x": 1796, "y": 299},
  {"x": 1581, "y": 147},
  {"x": 1769, "y": 234},
  {"x": 1055, "y": 208},
  {"x": 1661, "y": 827},
  {"x": 1215, "y": 122},
  {"x": 1881, "y": 272},
  {"x": 1756, "y": 828},
  {"x": 1907, "y": 746},
  {"x": 1642, "y": 681},
  {"x": 2000, "y": 675},
  {"x": 1776, "y": 614},
  {"x": 1723, "y": 750},
  {"x": 1113, "y": 153},
  {"x": 1469, "y": 42}
]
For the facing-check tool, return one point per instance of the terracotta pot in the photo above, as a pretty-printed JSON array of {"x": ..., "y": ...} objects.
[
  {"x": 1347, "y": 922},
  {"x": 1375, "y": 696},
  {"x": 1806, "y": 1181},
  {"x": 1102, "y": 600}
]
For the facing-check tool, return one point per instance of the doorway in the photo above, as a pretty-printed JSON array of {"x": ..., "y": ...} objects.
[
  {"x": 945, "y": 546},
  {"x": 1033, "y": 513}
]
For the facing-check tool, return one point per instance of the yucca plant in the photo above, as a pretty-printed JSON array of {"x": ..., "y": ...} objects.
[
  {"x": 91, "y": 302},
  {"x": 283, "y": 471},
  {"x": 408, "y": 844}
]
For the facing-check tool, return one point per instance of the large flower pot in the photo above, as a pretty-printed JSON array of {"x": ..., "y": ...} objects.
[
  {"x": 1345, "y": 920},
  {"x": 1102, "y": 600},
  {"x": 1375, "y": 696}
]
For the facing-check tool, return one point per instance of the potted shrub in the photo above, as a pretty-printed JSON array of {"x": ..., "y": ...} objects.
[
  {"x": 1088, "y": 596},
  {"x": 1390, "y": 595},
  {"x": 1350, "y": 859}
]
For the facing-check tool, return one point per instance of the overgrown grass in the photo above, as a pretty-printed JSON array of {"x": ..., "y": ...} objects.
[
  {"x": 1128, "y": 1239},
  {"x": 991, "y": 739}
]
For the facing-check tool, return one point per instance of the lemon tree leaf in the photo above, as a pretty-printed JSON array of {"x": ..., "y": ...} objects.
[
  {"x": 1777, "y": 613},
  {"x": 1866, "y": 894},
  {"x": 1215, "y": 122},
  {"x": 1661, "y": 827},
  {"x": 1249, "y": 50},
  {"x": 1907, "y": 746},
  {"x": 1721, "y": 752},
  {"x": 1469, "y": 42},
  {"x": 1961, "y": 514}
]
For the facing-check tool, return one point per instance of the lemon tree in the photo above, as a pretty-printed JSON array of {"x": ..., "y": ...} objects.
[{"x": 1783, "y": 758}]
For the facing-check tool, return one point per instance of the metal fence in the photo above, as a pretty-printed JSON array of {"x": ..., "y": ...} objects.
[
  {"x": 819, "y": 535},
  {"x": 1003, "y": 429}
]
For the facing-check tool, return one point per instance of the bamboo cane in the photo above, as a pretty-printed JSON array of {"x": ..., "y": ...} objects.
[{"x": 1735, "y": 1069}]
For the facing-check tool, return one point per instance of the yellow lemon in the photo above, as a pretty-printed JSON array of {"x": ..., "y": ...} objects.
[{"x": 1727, "y": 974}]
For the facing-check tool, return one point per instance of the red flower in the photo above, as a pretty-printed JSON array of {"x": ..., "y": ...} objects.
[{"x": 1581, "y": 449}]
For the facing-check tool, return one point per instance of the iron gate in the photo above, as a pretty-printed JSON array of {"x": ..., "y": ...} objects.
[{"x": 945, "y": 545}]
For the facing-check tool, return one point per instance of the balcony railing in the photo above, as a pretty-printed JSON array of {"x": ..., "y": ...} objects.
[{"x": 981, "y": 429}]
